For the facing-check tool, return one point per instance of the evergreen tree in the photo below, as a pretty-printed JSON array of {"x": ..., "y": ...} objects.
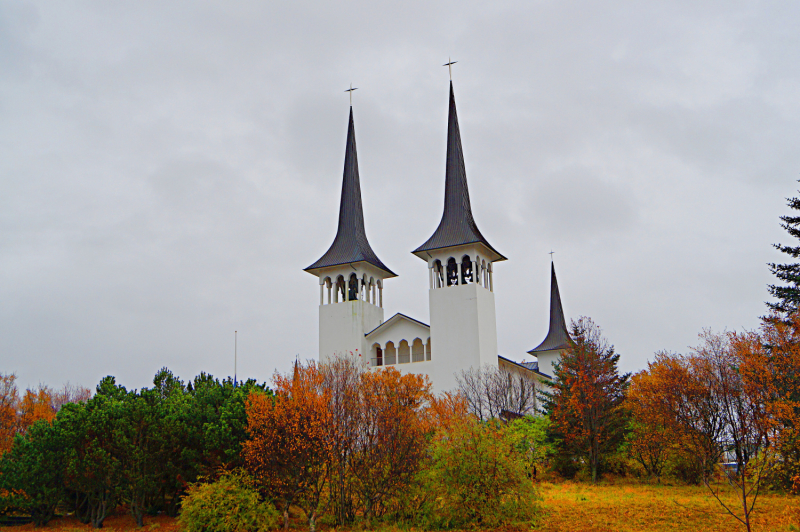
[
  {"x": 587, "y": 420},
  {"x": 788, "y": 295}
]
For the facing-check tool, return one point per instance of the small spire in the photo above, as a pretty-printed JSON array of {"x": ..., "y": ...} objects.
[
  {"x": 557, "y": 335},
  {"x": 351, "y": 244}
]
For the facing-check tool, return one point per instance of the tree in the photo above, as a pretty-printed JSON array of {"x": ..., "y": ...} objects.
[
  {"x": 788, "y": 295},
  {"x": 390, "y": 442},
  {"x": 32, "y": 472},
  {"x": 649, "y": 439},
  {"x": 288, "y": 452},
  {"x": 494, "y": 393},
  {"x": 585, "y": 405},
  {"x": 8, "y": 411},
  {"x": 475, "y": 476}
]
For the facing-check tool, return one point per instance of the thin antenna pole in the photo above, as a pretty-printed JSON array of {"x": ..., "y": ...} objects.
[{"x": 235, "y": 353}]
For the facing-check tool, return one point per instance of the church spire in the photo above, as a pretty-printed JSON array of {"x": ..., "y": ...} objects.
[
  {"x": 558, "y": 336},
  {"x": 350, "y": 245},
  {"x": 457, "y": 226}
]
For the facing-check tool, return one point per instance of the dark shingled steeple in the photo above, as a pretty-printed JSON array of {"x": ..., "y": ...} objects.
[
  {"x": 350, "y": 244},
  {"x": 557, "y": 336},
  {"x": 458, "y": 225}
]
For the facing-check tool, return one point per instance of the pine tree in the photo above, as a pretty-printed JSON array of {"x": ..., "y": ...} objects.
[{"x": 788, "y": 296}]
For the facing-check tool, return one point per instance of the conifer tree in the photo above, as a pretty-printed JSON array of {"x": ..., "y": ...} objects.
[
  {"x": 586, "y": 416},
  {"x": 788, "y": 295}
]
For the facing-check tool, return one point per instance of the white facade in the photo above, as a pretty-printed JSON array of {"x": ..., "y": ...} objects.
[{"x": 547, "y": 359}]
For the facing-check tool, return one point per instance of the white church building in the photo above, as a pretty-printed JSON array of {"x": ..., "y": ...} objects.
[{"x": 460, "y": 261}]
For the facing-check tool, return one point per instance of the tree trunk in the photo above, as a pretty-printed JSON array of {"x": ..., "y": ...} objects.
[{"x": 286, "y": 517}]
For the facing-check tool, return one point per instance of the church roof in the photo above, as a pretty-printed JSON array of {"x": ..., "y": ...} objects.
[
  {"x": 350, "y": 244},
  {"x": 558, "y": 336},
  {"x": 457, "y": 226}
]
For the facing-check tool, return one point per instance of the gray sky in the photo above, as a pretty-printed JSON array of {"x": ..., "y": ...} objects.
[{"x": 167, "y": 169}]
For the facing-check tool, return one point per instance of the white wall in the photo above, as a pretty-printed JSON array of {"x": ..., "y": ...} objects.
[
  {"x": 342, "y": 327},
  {"x": 463, "y": 332},
  {"x": 547, "y": 359}
]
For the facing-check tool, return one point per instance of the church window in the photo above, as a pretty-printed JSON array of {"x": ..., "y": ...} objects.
[
  {"x": 466, "y": 270},
  {"x": 452, "y": 272},
  {"x": 340, "y": 290},
  {"x": 428, "y": 350},
  {"x": 390, "y": 355},
  {"x": 403, "y": 353},
  {"x": 352, "y": 293},
  {"x": 417, "y": 351}
]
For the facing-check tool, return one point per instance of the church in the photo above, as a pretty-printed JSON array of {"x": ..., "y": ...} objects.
[{"x": 463, "y": 328}]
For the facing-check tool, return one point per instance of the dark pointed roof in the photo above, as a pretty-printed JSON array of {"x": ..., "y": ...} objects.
[
  {"x": 557, "y": 336},
  {"x": 350, "y": 244},
  {"x": 457, "y": 226}
]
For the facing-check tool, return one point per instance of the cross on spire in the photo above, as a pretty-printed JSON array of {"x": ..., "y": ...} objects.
[
  {"x": 449, "y": 66},
  {"x": 350, "y": 90},
  {"x": 551, "y": 255}
]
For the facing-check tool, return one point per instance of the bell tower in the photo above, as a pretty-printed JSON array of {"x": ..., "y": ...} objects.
[
  {"x": 350, "y": 274},
  {"x": 460, "y": 272}
]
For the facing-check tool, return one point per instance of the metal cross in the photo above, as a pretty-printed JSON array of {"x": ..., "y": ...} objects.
[
  {"x": 551, "y": 255},
  {"x": 350, "y": 90},
  {"x": 449, "y": 66}
]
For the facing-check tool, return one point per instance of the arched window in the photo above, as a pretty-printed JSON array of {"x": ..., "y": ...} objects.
[
  {"x": 417, "y": 351},
  {"x": 377, "y": 355},
  {"x": 485, "y": 275},
  {"x": 428, "y": 350},
  {"x": 403, "y": 353},
  {"x": 452, "y": 272},
  {"x": 390, "y": 355},
  {"x": 466, "y": 270},
  {"x": 340, "y": 289},
  {"x": 352, "y": 292},
  {"x": 438, "y": 277}
]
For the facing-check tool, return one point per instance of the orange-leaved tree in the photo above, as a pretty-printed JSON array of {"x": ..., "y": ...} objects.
[
  {"x": 649, "y": 438},
  {"x": 585, "y": 406},
  {"x": 8, "y": 411},
  {"x": 390, "y": 439},
  {"x": 781, "y": 338},
  {"x": 288, "y": 452}
]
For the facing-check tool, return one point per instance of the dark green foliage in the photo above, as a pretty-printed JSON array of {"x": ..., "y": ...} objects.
[
  {"x": 788, "y": 294},
  {"x": 140, "y": 448},
  {"x": 32, "y": 472}
]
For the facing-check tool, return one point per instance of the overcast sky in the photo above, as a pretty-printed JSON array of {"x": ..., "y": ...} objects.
[{"x": 167, "y": 170}]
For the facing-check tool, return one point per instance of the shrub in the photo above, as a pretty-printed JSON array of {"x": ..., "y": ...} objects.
[
  {"x": 227, "y": 505},
  {"x": 477, "y": 478}
]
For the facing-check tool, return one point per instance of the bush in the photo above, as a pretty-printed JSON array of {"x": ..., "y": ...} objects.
[
  {"x": 227, "y": 505},
  {"x": 476, "y": 478}
]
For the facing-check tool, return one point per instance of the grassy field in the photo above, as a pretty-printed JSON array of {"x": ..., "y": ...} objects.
[
  {"x": 627, "y": 506},
  {"x": 577, "y": 507}
]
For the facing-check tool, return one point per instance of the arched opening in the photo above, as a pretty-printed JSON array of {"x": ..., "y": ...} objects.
[
  {"x": 390, "y": 354},
  {"x": 452, "y": 272},
  {"x": 340, "y": 289},
  {"x": 403, "y": 353},
  {"x": 438, "y": 276},
  {"x": 417, "y": 351},
  {"x": 377, "y": 355},
  {"x": 428, "y": 350},
  {"x": 466, "y": 270},
  {"x": 352, "y": 292},
  {"x": 485, "y": 274}
]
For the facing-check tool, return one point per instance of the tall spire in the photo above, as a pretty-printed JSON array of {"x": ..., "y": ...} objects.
[
  {"x": 457, "y": 226},
  {"x": 558, "y": 336},
  {"x": 350, "y": 244}
]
